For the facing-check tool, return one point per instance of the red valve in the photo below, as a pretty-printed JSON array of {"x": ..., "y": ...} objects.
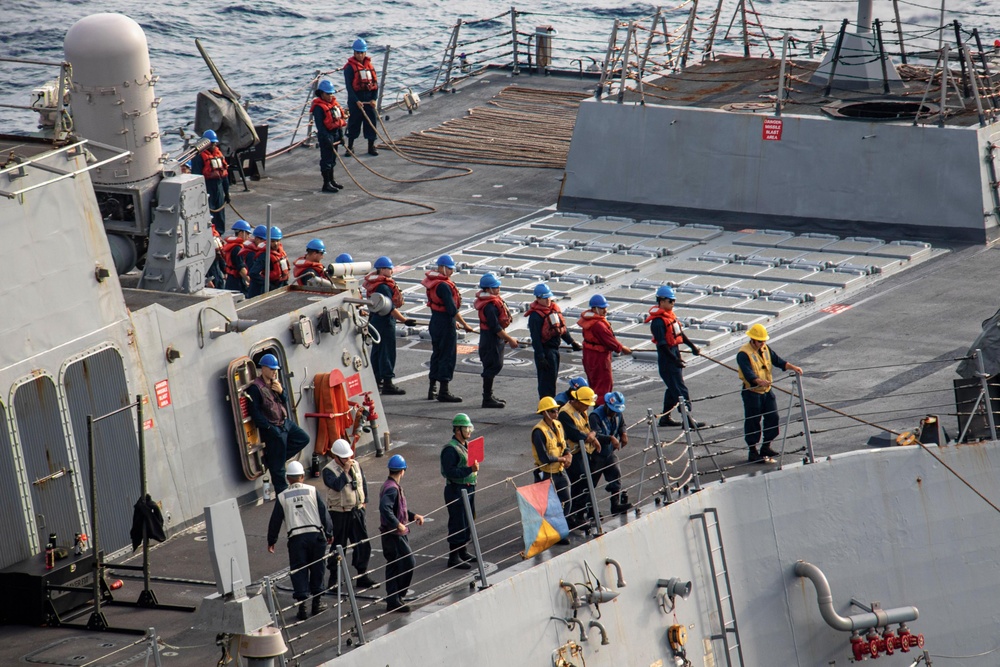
[
  {"x": 873, "y": 648},
  {"x": 904, "y": 640},
  {"x": 859, "y": 648},
  {"x": 890, "y": 639}
]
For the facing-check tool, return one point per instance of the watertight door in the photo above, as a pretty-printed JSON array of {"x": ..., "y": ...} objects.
[
  {"x": 242, "y": 371},
  {"x": 52, "y": 478}
]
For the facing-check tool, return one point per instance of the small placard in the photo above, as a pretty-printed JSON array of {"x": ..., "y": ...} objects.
[
  {"x": 477, "y": 450},
  {"x": 353, "y": 385},
  {"x": 147, "y": 425},
  {"x": 772, "y": 129},
  {"x": 162, "y": 391}
]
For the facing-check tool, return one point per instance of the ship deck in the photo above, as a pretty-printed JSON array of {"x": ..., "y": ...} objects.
[{"x": 884, "y": 349}]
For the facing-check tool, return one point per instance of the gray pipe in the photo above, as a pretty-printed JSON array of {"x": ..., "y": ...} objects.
[
  {"x": 604, "y": 633},
  {"x": 875, "y": 619}
]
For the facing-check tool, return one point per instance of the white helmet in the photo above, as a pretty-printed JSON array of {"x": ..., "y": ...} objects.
[
  {"x": 295, "y": 469},
  {"x": 341, "y": 449}
]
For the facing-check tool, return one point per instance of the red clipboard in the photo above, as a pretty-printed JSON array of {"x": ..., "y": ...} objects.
[{"x": 477, "y": 450}]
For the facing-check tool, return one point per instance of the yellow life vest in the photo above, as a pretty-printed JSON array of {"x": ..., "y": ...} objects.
[
  {"x": 760, "y": 362},
  {"x": 555, "y": 446},
  {"x": 581, "y": 424}
]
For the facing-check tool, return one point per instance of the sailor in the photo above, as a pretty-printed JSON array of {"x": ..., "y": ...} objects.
[
  {"x": 278, "y": 262},
  {"x": 494, "y": 318},
  {"x": 309, "y": 269},
  {"x": 444, "y": 302},
  {"x": 237, "y": 273},
  {"x": 562, "y": 398},
  {"x": 344, "y": 258},
  {"x": 268, "y": 406},
  {"x": 459, "y": 475},
  {"x": 211, "y": 164},
  {"x": 548, "y": 444},
  {"x": 393, "y": 519},
  {"x": 361, "y": 82},
  {"x": 308, "y": 534},
  {"x": 383, "y": 353},
  {"x": 346, "y": 498},
  {"x": 755, "y": 360},
  {"x": 576, "y": 426},
  {"x": 599, "y": 342},
  {"x": 608, "y": 422},
  {"x": 668, "y": 335},
  {"x": 215, "y": 277},
  {"x": 547, "y": 327},
  {"x": 329, "y": 120}
]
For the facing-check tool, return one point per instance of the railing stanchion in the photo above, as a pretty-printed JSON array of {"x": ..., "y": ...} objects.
[
  {"x": 667, "y": 497},
  {"x": 590, "y": 488},
  {"x": 513, "y": 35},
  {"x": 689, "y": 442},
  {"x": 987, "y": 401},
  {"x": 810, "y": 454},
  {"x": 475, "y": 539},
  {"x": 355, "y": 612}
]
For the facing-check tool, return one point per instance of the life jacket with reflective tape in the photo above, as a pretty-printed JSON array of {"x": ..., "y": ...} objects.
[
  {"x": 230, "y": 244},
  {"x": 215, "y": 165},
  {"x": 592, "y": 324},
  {"x": 555, "y": 446},
  {"x": 430, "y": 282},
  {"x": 483, "y": 299},
  {"x": 673, "y": 326},
  {"x": 364, "y": 75},
  {"x": 217, "y": 240},
  {"x": 298, "y": 502},
  {"x": 760, "y": 363},
  {"x": 463, "y": 461},
  {"x": 251, "y": 248},
  {"x": 372, "y": 282},
  {"x": 279, "y": 265},
  {"x": 333, "y": 115},
  {"x": 581, "y": 423},
  {"x": 553, "y": 322},
  {"x": 352, "y": 496},
  {"x": 303, "y": 265}
]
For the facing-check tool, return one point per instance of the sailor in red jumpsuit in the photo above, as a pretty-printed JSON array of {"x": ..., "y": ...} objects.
[{"x": 598, "y": 343}]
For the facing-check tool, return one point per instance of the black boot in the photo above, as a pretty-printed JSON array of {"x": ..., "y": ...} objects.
[
  {"x": 395, "y": 603},
  {"x": 318, "y": 605},
  {"x": 765, "y": 450},
  {"x": 302, "y": 613},
  {"x": 432, "y": 391},
  {"x": 389, "y": 389},
  {"x": 455, "y": 561},
  {"x": 620, "y": 503},
  {"x": 668, "y": 420},
  {"x": 350, "y": 145},
  {"x": 371, "y": 148},
  {"x": 334, "y": 182},
  {"x": 464, "y": 554},
  {"x": 445, "y": 396},
  {"x": 489, "y": 400},
  {"x": 364, "y": 582},
  {"x": 328, "y": 185}
]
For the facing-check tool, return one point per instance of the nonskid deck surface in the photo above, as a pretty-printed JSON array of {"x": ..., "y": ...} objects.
[{"x": 902, "y": 328}]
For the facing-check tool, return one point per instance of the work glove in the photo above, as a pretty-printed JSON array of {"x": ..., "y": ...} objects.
[
  {"x": 227, "y": 198},
  {"x": 576, "y": 346},
  {"x": 695, "y": 351},
  {"x": 410, "y": 322}
]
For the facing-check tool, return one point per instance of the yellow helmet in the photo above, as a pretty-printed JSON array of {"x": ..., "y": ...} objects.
[
  {"x": 585, "y": 395},
  {"x": 547, "y": 403},
  {"x": 758, "y": 332}
]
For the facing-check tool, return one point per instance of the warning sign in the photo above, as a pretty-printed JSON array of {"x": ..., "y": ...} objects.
[
  {"x": 162, "y": 391},
  {"x": 353, "y": 385},
  {"x": 772, "y": 129},
  {"x": 147, "y": 425},
  {"x": 836, "y": 308}
]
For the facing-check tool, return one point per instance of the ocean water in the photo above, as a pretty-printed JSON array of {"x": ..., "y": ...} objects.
[{"x": 270, "y": 50}]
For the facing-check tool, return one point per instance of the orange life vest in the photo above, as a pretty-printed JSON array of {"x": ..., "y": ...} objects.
[
  {"x": 279, "y": 265},
  {"x": 302, "y": 265},
  {"x": 550, "y": 329},
  {"x": 364, "y": 75},
  {"x": 333, "y": 115},
  {"x": 215, "y": 165},
  {"x": 673, "y": 337},
  {"x": 483, "y": 299},
  {"x": 430, "y": 282},
  {"x": 373, "y": 280},
  {"x": 227, "y": 254},
  {"x": 592, "y": 323}
]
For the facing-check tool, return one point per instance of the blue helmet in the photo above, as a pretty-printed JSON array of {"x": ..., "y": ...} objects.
[
  {"x": 447, "y": 261},
  {"x": 598, "y": 301},
  {"x": 577, "y": 382},
  {"x": 270, "y": 361},
  {"x": 316, "y": 245},
  {"x": 276, "y": 233},
  {"x": 326, "y": 87},
  {"x": 242, "y": 226},
  {"x": 542, "y": 291},
  {"x": 344, "y": 258},
  {"x": 397, "y": 462},
  {"x": 383, "y": 262},
  {"x": 665, "y": 292},
  {"x": 260, "y": 231},
  {"x": 360, "y": 45},
  {"x": 489, "y": 281},
  {"x": 615, "y": 400},
  {"x": 211, "y": 136}
]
